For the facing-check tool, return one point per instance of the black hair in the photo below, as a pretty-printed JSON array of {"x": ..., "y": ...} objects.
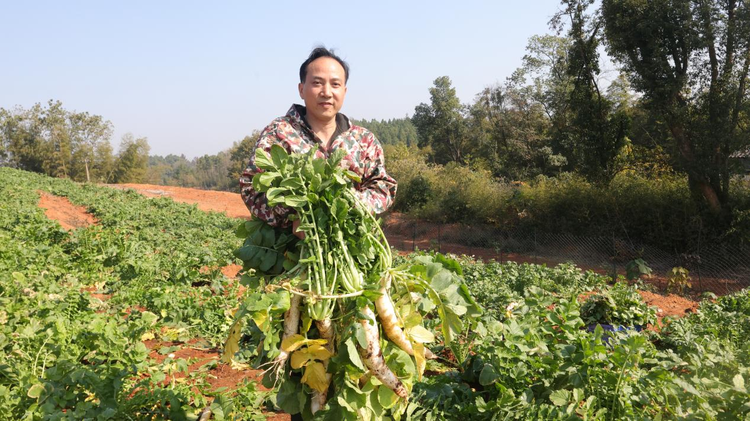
[{"x": 318, "y": 53}]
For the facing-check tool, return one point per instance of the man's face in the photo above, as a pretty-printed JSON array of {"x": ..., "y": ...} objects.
[{"x": 324, "y": 89}]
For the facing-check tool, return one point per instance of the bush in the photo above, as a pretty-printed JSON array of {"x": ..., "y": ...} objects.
[{"x": 656, "y": 211}]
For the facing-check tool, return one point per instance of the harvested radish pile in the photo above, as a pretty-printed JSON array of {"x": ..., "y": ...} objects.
[{"x": 341, "y": 333}]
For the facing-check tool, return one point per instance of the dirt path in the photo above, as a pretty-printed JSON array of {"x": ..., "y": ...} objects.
[
  {"x": 207, "y": 200},
  {"x": 68, "y": 215}
]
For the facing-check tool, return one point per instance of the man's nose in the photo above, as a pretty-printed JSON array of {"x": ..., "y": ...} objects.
[{"x": 326, "y": 89}]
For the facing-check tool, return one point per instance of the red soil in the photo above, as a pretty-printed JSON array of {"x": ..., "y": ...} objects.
[
  {"x": 207, "y": 200},
  {"x": 68, "y": 215}
]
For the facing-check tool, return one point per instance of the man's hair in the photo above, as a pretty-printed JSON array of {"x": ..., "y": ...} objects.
[{"x": 318, "y": 53}]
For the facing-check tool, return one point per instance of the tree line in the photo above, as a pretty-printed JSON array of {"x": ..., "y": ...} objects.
[
  {"x": 680, "y": 103},
  {"x": 52, "y": 140},
  {"x": 677, "y": 104}
]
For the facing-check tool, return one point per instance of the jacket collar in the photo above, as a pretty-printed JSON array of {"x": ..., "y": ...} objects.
[{"x": 298, "y": 114}]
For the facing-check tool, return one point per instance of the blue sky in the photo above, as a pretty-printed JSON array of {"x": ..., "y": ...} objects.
[{"x": 194, "y": 77}]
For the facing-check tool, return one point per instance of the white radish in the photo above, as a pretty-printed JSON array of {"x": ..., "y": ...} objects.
[
  {"x": 373, "y": 356},
  {"x": 389, "y": 320},
  {"x": 325, "y": 330},
  {"x": 291, "y": 327}
]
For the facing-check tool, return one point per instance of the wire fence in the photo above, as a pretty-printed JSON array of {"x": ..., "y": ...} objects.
[{"x": 718, "y": 268}]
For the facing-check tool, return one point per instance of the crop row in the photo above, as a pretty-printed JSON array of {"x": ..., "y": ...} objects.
[{"x": 77, "y": 309}]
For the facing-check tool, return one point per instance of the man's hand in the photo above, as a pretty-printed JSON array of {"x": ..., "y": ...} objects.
[{"x": 299, "y": 234}]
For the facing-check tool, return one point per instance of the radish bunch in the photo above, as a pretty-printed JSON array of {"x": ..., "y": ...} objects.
[{"x": 311, "y": 301}]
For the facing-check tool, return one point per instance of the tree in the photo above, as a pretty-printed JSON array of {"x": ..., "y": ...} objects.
[
  {"x": 89, "y": 136},
  {"x": 132, "y": 160},
  {"x": 391, "y": 132},
  {"x": 690, "y": 60},
  {"x": 596, "y": 131},
  {"x": 441, "y": 124},
  {"x": 56, "y": 142},
  {"x": 511, "y": 131},
  {"x": 239, "y": 155}
]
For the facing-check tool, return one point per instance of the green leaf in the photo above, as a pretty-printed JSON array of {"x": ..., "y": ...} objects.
[
  {"x": 291, "y": 397},
  {"x": 296, "y": 202},
  {"x": 449, "y": 264},
  {"x": 279, "y": 156},
  {"x": 421, "y": 335},
  {"x": 292, "y": 184},
  {"x": 739, "y": 382},
  {"x": 560, "y": 397},
  {"x": 266, "y": 179},
  {"x": 488, "y": 375},
  {"x": 263, "y": 160},
  {"x": 35, "y": 391},
  {"x": 386, "y": 397},
  {"x": 269, "y": 260},
  {"x": 353, "y": 176},
  {"x": 275, "y": 195},
  {"x": 351, "y": 351}
]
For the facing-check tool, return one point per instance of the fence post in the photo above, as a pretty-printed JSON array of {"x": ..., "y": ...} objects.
[
  {"x": 536, "y": 252},
  {"x": 614, "y": 258},
  {"x": 699, "y": 261},
  {"x": 440, "y": 246},
  {"x": 413, "y": 236}
]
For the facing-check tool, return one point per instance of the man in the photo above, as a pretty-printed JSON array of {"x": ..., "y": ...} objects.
[{"x": 319, "y": 125}]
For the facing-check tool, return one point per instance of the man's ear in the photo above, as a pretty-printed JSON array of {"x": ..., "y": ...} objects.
[{"x": 300, "y": 86}]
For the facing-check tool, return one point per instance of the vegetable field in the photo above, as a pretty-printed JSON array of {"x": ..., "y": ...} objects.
[{"x": 93, "y": 322}]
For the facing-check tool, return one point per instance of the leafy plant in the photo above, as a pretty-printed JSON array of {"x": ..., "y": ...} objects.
[
  {"x": 637, "y": 268},
  {"x": 679, "y": 279}
]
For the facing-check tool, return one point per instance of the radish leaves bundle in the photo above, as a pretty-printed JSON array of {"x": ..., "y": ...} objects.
[{"x": 327, "y": 356}]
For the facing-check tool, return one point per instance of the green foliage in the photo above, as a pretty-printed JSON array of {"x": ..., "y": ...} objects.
[
  {"x": 441, "y": 124},
  {"x": 620, "y": 305},
  {"x": 394, "y": 131},
  {"x": 597, "y": 131},
  {"x": 56, "y": 142},
  {"x": 534, "y": 360},
  {"x": 637, "y": 268},
  {"x": 341, "y": 267},
  {"x": 63, "y": 349},
  {"x": 656, "y": 211},
  {"x": 682, "y": 56},
  {"x": 679, "y": 279},
  {"x": 132, "y": 160}
]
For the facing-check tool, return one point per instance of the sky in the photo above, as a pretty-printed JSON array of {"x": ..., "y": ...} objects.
[{"x": 195, "y": 77}]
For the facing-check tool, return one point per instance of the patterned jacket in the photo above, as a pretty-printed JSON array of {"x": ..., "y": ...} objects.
[{"x": 364, "y": 157}]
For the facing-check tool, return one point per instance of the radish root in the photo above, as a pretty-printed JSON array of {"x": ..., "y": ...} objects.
[
  {"x": 325, "y": 329},
  {"x": 373, "y": 356},
  {"x": 389, "y": 320}
]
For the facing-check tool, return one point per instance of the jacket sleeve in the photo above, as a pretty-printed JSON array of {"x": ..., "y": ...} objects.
[
  {"x": 377, "y": 189},
  {"x": 255, "y": 201}
]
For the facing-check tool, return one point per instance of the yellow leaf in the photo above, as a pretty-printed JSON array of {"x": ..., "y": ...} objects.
[
  {"x": 299, "y": 359},
  {"x": 232, "y": 344},
  {"x": 318, "y": 351},
  {"x": 302, "y": 357},
  {"x": 147, "y": 336},
  {"x": 420, "y": 334},
  {"x": 293, "y": 342},
  {"x": 419, "y": 358},
  {"x": 260, "y": 318},
  {"x": 316, "y": 377}
]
